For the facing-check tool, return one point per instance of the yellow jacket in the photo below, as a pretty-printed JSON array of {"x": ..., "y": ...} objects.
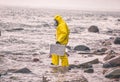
[{"x": 62, "y": 31}]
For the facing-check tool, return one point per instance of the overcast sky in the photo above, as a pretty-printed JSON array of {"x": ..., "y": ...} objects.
[{"x": 69, "y": 4}]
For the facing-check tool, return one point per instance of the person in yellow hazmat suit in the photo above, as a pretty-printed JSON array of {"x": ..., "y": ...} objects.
[{"x": 62, "y": 37}]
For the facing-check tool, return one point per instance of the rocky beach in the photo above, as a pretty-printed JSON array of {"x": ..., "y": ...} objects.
[{"x": 93, "y": 48}]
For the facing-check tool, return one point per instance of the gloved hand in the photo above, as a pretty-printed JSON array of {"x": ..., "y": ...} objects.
[
  {"x": 57, "y": 42},
  {"x": 49, "y": 56}
]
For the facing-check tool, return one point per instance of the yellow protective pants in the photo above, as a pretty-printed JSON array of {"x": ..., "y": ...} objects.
[{"x": 64, "y": 60}]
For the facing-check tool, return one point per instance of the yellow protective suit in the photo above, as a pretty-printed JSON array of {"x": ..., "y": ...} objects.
[{"x": 62, "y": 36}]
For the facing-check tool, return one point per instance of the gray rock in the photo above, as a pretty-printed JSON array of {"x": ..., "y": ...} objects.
[
  {"x": 94, "y": 61},
  {"x": 94, "y": 29},
  {"x": 100, "y": 51},
  {"x": 23, "y": 70},
  {"x": 81, "y": 48},
  {"x": 89, "y": 70},
  {"x": 36, "y": 60},
  {"x": 88, "y": 64},
  {"x": 117, "y": 40},
  {"x": 109, "y": 56},
  {"x": 85, "y": 65},
  {"x": 115, "y": 73},
  {"x": 107, "y": 65},
  {"x": 112, "y": 62}
]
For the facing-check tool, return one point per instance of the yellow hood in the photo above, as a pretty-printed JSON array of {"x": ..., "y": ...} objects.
[{"x": 59, "y": 19}]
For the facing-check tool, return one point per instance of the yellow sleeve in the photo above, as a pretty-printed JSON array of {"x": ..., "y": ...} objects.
[{"x": 63, "y": 34}]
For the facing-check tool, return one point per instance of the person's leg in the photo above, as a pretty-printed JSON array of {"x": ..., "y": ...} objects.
[
  {"x": 64, "y": 60},
  {"x": 55, "y": 59}
]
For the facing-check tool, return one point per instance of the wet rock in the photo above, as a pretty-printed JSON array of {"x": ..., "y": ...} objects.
[
  {"x": 100, "y": 51},
  {"x": 112, "y": 62},
  {"x": 36, "y": 60},
  {"x": 93, "y": 29},
  {"x": 23, "y": 70},
  {"x": 87, "y": 65},
  {"x": 81, "y": 48},
  {"x": 94, "y": 61},
  {"x": 110, "y": 54},
  {"x": 115, "y": 73},
  {"x": 89, "y": 70},
  {"x": 117, "y": 40},
  {"x": 104, "y": 49},
  {"x": 107, "y": 65}
]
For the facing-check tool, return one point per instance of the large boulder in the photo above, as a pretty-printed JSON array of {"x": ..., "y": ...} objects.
[
  {"x": 81, "y": 48},
  {"x": 94, "y": 29},
  {"x": 115, "y": 73},
  {"x": 112, "y": 62},
  {"x": 117, "y": 40},
  {"x": 23, "y": 70}
]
